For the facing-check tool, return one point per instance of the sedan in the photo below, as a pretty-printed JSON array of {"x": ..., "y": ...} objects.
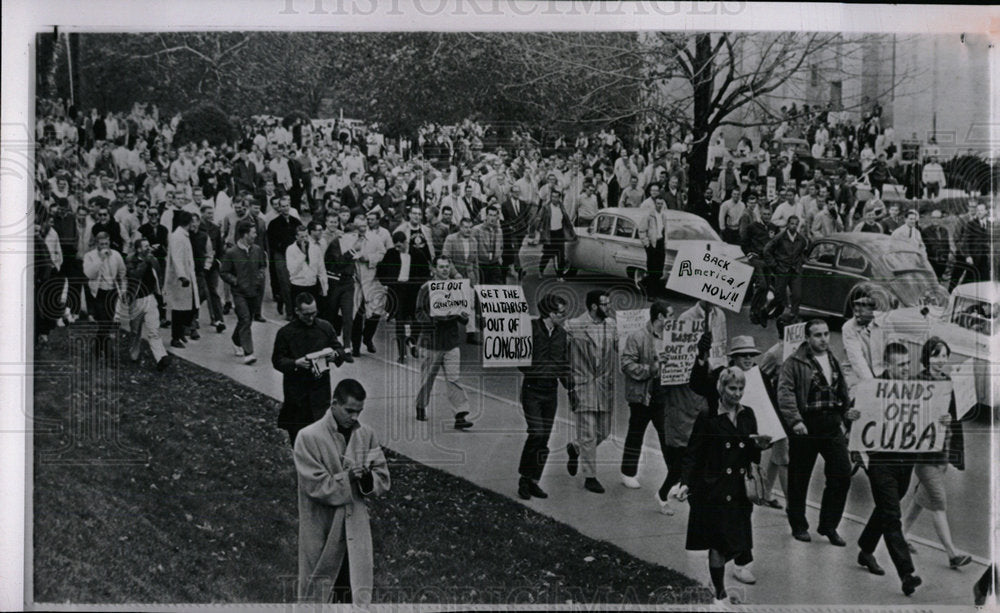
[
  {"x": 836, "y": 264},
  {"x": 611, "y": 244}
]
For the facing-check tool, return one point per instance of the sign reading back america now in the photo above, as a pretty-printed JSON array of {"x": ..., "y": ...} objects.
[
  {"x": 450, "y": 297},
  {"x": 506, "y": 326},
  {"x": 707, "y": 275},
  {"x": 900, "y": 416}
]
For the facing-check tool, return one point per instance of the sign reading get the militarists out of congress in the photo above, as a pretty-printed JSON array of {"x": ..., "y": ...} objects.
[
  {"x": 450, "y": 297},
  {"x": 506, "y": 326},
  {"x": 710, "y": 276},
  {"x": 900, "y": 416}
]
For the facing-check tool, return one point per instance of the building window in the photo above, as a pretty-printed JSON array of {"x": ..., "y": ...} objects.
[{"x": 836, "y": 95}]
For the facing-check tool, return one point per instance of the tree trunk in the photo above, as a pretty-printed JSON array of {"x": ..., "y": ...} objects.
[{"x": 701, "y": 130}]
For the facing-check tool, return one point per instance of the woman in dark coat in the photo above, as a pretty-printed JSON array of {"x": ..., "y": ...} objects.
[
  {"x": 402, "y": 294},
  {"x": 723, "y": 444},
  {"x": 931, "y": 468}
]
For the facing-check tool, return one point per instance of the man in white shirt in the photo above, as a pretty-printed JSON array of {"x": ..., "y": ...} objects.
[
  {"x": 908, "y": 231},
  {"x": 279, "y": 165},
  {"x": 933, "y": 178},
  {"x": 786, "y": 209},
  {"x": 730, "y": 213},
  {"x": 105, "y": 271},
  {"x": 652, "y": 233},
  {"x": 304, "y": 258},
  {"x": 864, "y": 339}
]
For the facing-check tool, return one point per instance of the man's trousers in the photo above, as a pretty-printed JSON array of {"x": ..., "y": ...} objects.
[
  {"x": 889, "y": 483},
  {"x": 539, "y": 406},
  {"x": 434, "y": 360},
  {"x": 245, "y": 307},
  {"x": 592, "y": 429},
  {"x": 837, "y": 469}
]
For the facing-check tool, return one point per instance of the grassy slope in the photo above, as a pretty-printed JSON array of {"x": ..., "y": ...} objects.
[{"x": 205, "y": 510}]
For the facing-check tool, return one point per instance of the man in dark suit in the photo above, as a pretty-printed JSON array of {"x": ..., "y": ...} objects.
[
  {"x": 106, "y": 224},
  {"x": 517, "y": 216},
  {"x": 472, "y": 204},
  {"x": 350, "y": 196},
  {"x": 244, "y": 174}
]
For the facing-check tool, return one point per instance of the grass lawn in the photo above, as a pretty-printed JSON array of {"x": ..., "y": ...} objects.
[{"x": 178, "y": 487}]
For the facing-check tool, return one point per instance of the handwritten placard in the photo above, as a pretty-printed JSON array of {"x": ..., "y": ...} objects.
[
  {"x": 706, "y": 275},
  {"x": 680, "y": 346},
  {"x": 450, "y": 297},
  {"x": 794, "y": 335},
  {"x": 772, "y": 188},
  {"x": 506, "y": 326},
  {"x": 755, "y": 396},
  {"x": 900, "y": 416}
]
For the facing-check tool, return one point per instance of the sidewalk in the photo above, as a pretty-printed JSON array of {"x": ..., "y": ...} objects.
[{"x": 788, "y": 572}]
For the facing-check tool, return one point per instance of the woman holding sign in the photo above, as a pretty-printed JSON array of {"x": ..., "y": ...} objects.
[
  {"x": 722, "y": 447},
  {"x": 930, "y": 468}
]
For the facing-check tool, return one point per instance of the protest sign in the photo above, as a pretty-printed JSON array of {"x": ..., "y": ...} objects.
[
  {"x": 772, "y": 188},
  {"x": 755, "y": 396},
  {"x": 627, "y": 322},
  {"x": 680, "y": 343},
  {"x": 506, "y": 326},
  {"x": 963, "y": 378},
  {"x": 900, "y": 416},
  {"x": 707, "y": 275},
  {"x": 450, "y": 297},
  {"x": 794, "y": 335}
]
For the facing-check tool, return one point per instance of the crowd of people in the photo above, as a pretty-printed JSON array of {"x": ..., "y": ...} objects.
[{"x": 134, "y": 230}]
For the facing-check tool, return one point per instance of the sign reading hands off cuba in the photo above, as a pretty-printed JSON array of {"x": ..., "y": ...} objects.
[
  {"x": 900, "y": 416},
  {"x": 710, "y": 276}
]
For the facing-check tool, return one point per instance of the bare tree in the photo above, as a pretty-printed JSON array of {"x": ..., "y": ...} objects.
[{"x": 703, "y": 81}]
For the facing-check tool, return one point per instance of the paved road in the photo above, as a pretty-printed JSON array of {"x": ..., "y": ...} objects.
[{"x": 969, "y": 526}]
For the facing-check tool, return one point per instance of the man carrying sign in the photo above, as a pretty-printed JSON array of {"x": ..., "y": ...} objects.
[
  {"x": 539, "y": 400},
  {"x": 889, "y": 476},
  {"x": 813, "y": 399},
  {"x": 440, "y": 338}
]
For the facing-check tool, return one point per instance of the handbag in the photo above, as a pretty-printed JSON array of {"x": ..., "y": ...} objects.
[{"x": 754, "y": 482}]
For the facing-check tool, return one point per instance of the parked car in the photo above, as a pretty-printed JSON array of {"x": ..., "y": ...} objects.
[
  {"x": 969, "y": 321},
  {"x": 610, "y": 246},
  {"x": 836, "y": 264}
]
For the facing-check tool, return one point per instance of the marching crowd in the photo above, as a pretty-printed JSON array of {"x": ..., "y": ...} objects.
[{"x": 133, "y": 231}]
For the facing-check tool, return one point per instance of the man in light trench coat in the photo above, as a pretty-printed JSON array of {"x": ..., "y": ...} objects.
[
  {"x": 180, "y": 291},
  {"x": 593, "y": 361},
  {"x": 340, "y": 465}
]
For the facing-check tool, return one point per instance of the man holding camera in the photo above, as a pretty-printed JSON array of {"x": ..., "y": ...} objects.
[{"x": 306, "y": 386}]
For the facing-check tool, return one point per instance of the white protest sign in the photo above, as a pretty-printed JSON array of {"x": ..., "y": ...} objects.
[
  {"x": 900, "y": 416},
  {"x": 506, "y": 326},
  {"x": 755, "y": 396},
  {"x": 627, "y": 322},
  {"x": 772, "y": 188},
  {"x": 680, "y": 343},
  {"x": 709, "y": 276},
  {"x": 794, "y": 335},
  {"x": 450, "y": 297},
  {"x": 963, "y": 379}
]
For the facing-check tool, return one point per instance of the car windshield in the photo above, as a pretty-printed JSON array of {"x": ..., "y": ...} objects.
[
  {"x": 690, "y": 229},
  {"x": 976, "y": 315},
  {"x": 904, "y": 260}
]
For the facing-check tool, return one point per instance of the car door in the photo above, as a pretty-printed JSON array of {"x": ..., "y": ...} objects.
[
  {"x": 853, "y": 267},
  {"x": 817, "y": 273},
  {"x": 587, "y": 255},
  {"x": 624, "y": 250}
]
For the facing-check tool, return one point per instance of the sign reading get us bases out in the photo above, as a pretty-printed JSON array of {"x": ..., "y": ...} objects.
[
  {"x": 900, "y": 416},
  {"x": 710, "y": 276},
  {"x": 506, "y": 326},
  {"x": 450, "y": 297}
]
